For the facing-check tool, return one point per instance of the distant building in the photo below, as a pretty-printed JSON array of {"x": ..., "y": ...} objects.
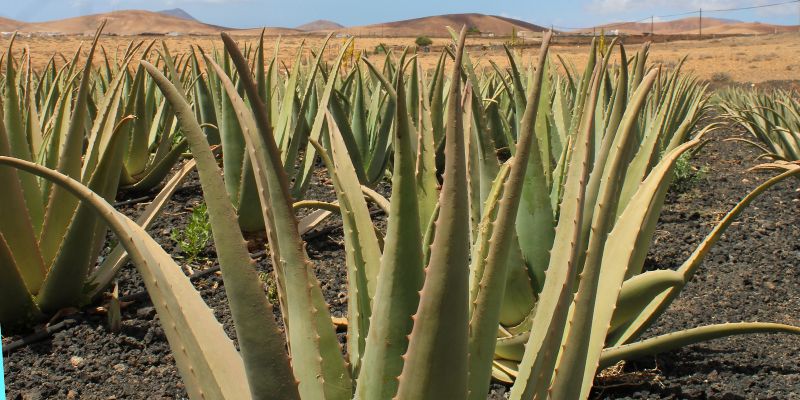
[
  {"x": 528, "y": 34},
  {"x": 174, "y": 34},
  {"x": 487, "y": 34}
]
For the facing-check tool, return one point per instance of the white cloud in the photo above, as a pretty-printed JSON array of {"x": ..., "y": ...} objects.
[
  {"x": 206, "y": 1},
  {"x": 115, "y": 3},
  {"x": 622, "y": 6}
]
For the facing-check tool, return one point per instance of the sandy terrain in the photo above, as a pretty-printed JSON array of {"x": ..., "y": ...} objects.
[{"x": 742, "y": 59}]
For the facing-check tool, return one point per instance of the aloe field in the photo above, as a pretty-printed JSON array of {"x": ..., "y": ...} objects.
[{"x": 226, "y": 222}]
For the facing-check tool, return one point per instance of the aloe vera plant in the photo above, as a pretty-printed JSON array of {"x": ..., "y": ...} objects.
[
  {"x": 51, "y": 241},
  {"x": 359, "y": 101},
  {"x": 772, "y": 119},
  {"x": 448, "y": 354},
  {"x": 154, "y": 145},
  {"x": 630, "y": 115},
  {"x": 425, "y": 309}
]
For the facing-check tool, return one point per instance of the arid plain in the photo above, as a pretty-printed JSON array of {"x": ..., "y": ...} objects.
[{"x": 745, "y": 59}]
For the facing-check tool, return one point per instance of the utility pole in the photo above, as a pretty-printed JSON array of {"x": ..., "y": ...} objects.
[
  {"x": 651, "y": 25},
  {"x": 701, "y": 23}
]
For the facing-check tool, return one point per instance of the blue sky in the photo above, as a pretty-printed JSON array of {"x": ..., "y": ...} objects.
[{"x": 254, "y": 13}]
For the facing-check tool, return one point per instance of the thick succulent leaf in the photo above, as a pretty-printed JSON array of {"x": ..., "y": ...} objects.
[
  {"x": 542, "y": 348},
  {"x": 267, "y": 366},
  {"x": 436, "y": 361},
  {"x": 674, "y": 340},
  {"x": 17, "y": 141},
  {"x": 358, "y": 118},
  {"x": 311, "y": 221},
  {"x": 302, "y": 131},
  {"x": 204, "y": 103},
  {"x": 316, "y": 356},
  {"x": 138, "y": 154},
  {"x": 81, "y": 242},
  {"x": 61, "y": 206},
  {"x": 480, "y": 136},
  {"x": 504, "y": 371},
  {"x": 660, "y": 303},
  {"x": 18, "y": 305},
  {"x": 593, "y": 300},
  {"x": 319, "y": 120},
  {"x": 339, "y": 116},
  {"x": 157, "y": 171},
  {"x": 105, "y": 272},
  {"x": 636, "y": 293},
  {"x": 518, "y": 99},
  {"x": 425, "y": 172},
  {"x": 362, "y": 251},
  {"x": 544, "y": 130},
  {"x": 486, "y": 313},
  {"x": 535, "y": 223},
  {"x": 401, "y": 272},
  {"x": 17, "y": 226},
  {"x": 249, "y": 208},
  {"x": 233, "y": 151},
  {"x": 619, "y": 250},
  {"x": 206, "y": 358},
  {"x": 481, "y": 245}
]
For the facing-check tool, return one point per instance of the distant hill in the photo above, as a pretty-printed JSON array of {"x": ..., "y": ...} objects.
[
  {"x": 692, "y": 25},
  {"x": 320, "y": 25},
  {"x": 437, "y": 25},
  {"x": 9, "y": 25},
  {"x": 180, "y": 13},
  {"x": 749, "y": 28},
  {"x": 127, "y": 22},
  {"x": 137, "y": 22}
]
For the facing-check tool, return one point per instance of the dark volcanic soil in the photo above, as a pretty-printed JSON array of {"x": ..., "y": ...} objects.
[{"x": 751, "y": 275}]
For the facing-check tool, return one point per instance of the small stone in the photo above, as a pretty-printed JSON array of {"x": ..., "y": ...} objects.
[
  {"x": 120, "y": 367},
  {"x": 146, "y": 312},
  {"x": 33, "y": 395},
  {"x": 731, "y": 396},
  {"x": 72, "y": 394},
  {"x": 76, "y": 361}
]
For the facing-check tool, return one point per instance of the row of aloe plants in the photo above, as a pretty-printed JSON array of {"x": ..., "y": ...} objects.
[
  {"x": 772, "y": 120},
  {"x": 93, "y": 127},
  {"x": 528, "y": 270}
]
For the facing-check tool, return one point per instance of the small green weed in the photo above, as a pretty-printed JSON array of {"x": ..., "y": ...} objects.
[
  {"x": 687, "y": 176},
  {"x": 194, "y": 238},
  {"x": 380, "y": 49}
]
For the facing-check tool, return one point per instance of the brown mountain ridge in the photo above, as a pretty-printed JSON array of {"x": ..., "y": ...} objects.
[
  {"x": 320, "y": 25},
  {"x": 691, "y": 25},
  {"x": 437, "y": 25},
  {"x": 126, "y": 22},
  {"x": 137, "y": 22}
]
